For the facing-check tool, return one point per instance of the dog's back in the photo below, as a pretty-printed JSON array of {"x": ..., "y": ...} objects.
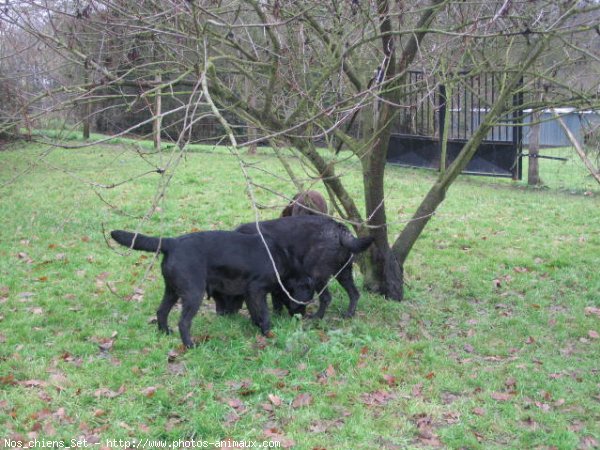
[{"x": 302, "y": 232}]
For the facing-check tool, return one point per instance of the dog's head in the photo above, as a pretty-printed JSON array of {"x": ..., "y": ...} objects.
[{"x": 302, "y": 289}]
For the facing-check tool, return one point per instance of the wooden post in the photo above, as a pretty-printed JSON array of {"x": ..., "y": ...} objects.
[{"x": 533, "y": 172}]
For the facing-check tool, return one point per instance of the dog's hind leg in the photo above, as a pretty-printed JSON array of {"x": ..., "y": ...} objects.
[
  {"x": 190, "y": 301},
  {"x": 346, "y": 279},
  {"x": 259, "y": 312},
  {"x": 227, "y": 304},
  {"x": 169, "y": 299}
]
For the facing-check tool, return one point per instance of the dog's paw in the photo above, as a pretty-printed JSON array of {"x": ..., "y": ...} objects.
[
  {"x": 348, "y": 315},
  {"x": 314, "y": 316}
]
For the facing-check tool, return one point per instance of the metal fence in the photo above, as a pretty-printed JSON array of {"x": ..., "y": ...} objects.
[
  {"x": 428, "y": 106},
  {"x": 581, "y": 124}
]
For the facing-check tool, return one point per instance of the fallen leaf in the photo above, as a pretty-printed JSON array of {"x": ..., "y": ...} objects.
[
  {"x": 501, "y": 396},
  {"x": 451, "y": 417},
  {"x": 149, "y": 391},
  {"x": 390, "y": 380},
  {"x": 301, "y": 400},
  {"x": 237, "y": 404},
  {"x": 174, "y": 354},
  {"x": 479, "y": 411},
  {"x": 377, "y": 398},
  {"x": 426, "y": 434},
  {"x": 137, "y": 296},
  {"x": 588, "y": 442},
  {"x": 277, "y": 436},
  {"x": 593, "y": 334},
  {"x": 268, "y": 407},
  {"x": 480, "y": 437},
  {"x": 104, "y": 343},
  {"x": 330, "y": 371},
  {"x": 323, "y": 376},
  {"x": 279, "y": 373},
  {"x": 417, "y": 390},
  {"x": 321, "y": 426},
  {"x": 589, "y": 310},
  {"x": 34, "y": 383},
  {"x": 543, "y": 406},
  {"x": 275, "y": 399},
  {"x": 261, "y": 342},
  {"x": 530, "y": 423},
  {"x": 231, "y": 418},
  {"x": 108, "y": 393},
  {"x": 24, "y": 257},
  {"x": 172, "y": 423}
]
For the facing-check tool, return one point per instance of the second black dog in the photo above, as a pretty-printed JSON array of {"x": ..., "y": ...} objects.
[
  {"x": 325, "y": 248},
  {"x": 223, "y": 262}
]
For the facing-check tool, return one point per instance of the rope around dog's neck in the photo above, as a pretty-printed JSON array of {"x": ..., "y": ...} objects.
[{"x": 298, "y": 302}]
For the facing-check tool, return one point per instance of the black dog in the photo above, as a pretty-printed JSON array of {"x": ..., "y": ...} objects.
[
  {"x": 324, "y": 247},
  {"x": 223, "y": 262}
]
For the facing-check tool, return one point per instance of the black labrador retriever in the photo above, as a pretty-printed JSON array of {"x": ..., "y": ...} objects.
[
  {"x": 222, "y": 263},
  {"x": 324, "y": 247}
]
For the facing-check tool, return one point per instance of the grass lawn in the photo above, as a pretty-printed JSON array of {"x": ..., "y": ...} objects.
[{"x": 496, "y": 345}]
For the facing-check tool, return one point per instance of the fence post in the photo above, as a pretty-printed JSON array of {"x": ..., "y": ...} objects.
[{"x": 517, "y": 131}]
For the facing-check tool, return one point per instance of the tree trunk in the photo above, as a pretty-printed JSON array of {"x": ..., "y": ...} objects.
[
  {"x": 374, "y": 270},
  {"x": 87, "y": 110},
  {"x": 533, "y": 172},
  {"x": 579, "y": 149},
  {"x": 252, "y": 131},
  {"x": 382, "y": 274},
  {"x": 157, "y": 122}
]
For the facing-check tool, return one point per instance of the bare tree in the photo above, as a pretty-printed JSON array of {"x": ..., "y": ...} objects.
[{"x": 310, "y": 74}]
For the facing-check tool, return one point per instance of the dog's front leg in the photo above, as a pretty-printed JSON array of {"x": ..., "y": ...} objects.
[
  {"x": 259, "y": 312},
  {"x": 324, "y": 301},
  {"x": 278, "y": 299}
]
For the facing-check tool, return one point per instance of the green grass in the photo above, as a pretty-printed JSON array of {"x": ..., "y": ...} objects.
[{"x": 492, "y": 347}]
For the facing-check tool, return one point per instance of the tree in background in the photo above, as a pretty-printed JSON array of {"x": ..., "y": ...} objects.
[{"x": 311, "y": 74}]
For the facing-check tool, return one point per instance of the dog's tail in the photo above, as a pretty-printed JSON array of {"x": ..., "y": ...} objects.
[
  {"x": 355, "y": 245},
  {"x": 139, "y": 241}
]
